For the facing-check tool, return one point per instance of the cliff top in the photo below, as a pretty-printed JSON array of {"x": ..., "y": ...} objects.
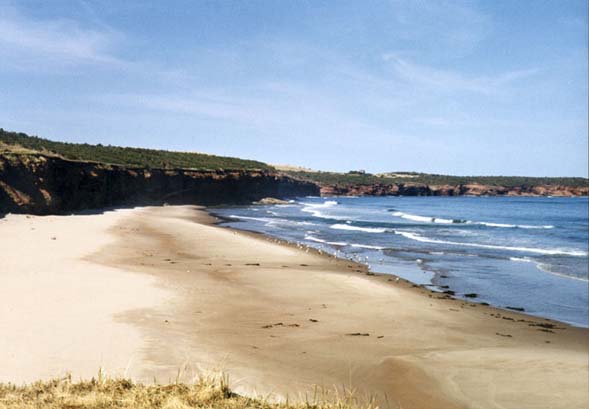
[
  {"x": 359, "y": 178},
  {"x": 20, "y": 143},
  {"x": 14, "y": 142}
]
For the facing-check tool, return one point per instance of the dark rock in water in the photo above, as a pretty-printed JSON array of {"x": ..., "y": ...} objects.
[
  {"x": 516, "y": 308},
  {"x": 471, "y": 295},
  {"x": 450, "y": 292},
  {"x": 271, "y": 201}
]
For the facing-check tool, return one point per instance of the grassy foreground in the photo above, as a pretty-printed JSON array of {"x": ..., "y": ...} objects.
[{"x": 102, "y": 393}]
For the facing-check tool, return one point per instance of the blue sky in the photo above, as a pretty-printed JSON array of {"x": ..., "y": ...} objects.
[{"x": 459, "y": 87}]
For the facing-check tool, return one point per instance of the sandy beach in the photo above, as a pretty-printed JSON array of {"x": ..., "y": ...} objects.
[{"x": 163, "y": 293}]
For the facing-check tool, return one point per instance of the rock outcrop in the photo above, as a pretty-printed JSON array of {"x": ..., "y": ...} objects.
[{"x": 43, "y": 184}]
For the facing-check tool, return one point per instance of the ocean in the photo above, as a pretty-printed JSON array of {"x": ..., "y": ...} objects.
[{"x": 523, "y": 252}]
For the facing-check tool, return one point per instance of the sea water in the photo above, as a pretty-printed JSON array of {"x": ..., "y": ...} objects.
[{"x": 523, "y": 252}]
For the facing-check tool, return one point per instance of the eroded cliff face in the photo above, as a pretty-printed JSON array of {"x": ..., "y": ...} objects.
[
  {"x": 41, "y": 184},
  {"x": 415, "y": 189}
]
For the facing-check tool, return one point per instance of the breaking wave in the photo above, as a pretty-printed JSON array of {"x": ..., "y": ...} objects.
[
  {"x": 316, "y": 209},
  {"x": 358, "y": 228},
  {"x": 552, "y": 252},
  {"x": 318, "y": 240},
  {"x": 342, "y": 243},
  {"x": 427, "y": 219},
  {"x": 271, "y": 220}
]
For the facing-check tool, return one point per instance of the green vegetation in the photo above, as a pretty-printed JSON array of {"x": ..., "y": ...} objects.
[
  {"x": 136, "y": 157},
  {"x": 356, "y": 178},
  {"x": 101, "y": 393}
]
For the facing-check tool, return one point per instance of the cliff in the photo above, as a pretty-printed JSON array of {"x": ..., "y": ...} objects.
[
  {"x": 38, "y": 183},
  {"x": 471, "y": 189}
]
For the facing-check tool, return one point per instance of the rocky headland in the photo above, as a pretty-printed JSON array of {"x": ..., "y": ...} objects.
[{"x": 471, "y": 189}]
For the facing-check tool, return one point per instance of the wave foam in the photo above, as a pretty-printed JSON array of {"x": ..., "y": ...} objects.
[
  {"x": 315, "y": 209},
  {"x": 521, "y": 259},
  {"x": 553, "y": 252},
  {"x": 358, "y": 228},
  {"x": 342, "y": 243},
  {"x": 272, "y": 220},
  {"x": 513, "y": 226},
  {"x": 423, "y": 219},
  {"x": 366, "y": 246},
  {"x": 318, "y": 240},
  {"x": 426, "y": 219},
  {"x": 545, "y": 268},
  {"x": 256, "y": 219}
]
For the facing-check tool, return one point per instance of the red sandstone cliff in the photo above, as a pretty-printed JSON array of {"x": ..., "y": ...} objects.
[{"x": 417, "y": 189}]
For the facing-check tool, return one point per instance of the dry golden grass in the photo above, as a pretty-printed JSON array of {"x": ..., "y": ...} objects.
[
  {"x": 103, "y": 393},
  {"x": 20, "y": 150}
]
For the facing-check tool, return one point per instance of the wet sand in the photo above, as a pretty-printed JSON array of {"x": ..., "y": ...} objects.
[{"x": 196, "y": 297}]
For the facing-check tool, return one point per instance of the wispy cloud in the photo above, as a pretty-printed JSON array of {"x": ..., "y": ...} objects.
[
  {"x": 453, "y": 81},
  {"x": 455, "y": 25},
  {"x": 57, "y": 40},
  {"x": 280, "y": 109}
]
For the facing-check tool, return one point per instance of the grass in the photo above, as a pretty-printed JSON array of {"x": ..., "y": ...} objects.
[
  {"x": 117, "y": 155},
  {"x": 103, "y": 392}
]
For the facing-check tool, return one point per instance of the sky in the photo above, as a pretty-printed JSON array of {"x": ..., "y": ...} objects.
[{"x": 454, "y": 87}]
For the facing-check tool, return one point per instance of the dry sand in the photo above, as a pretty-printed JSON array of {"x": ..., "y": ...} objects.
[
  {"x": 154, "y": 290},
  {"x": 57, "y": 310}
]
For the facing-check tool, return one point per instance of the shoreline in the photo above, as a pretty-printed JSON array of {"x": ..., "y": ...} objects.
[
  {"x": 281, "y": 321},
  {"x": 366, "y": 270},
  {"x": 516, "y": 266}
]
